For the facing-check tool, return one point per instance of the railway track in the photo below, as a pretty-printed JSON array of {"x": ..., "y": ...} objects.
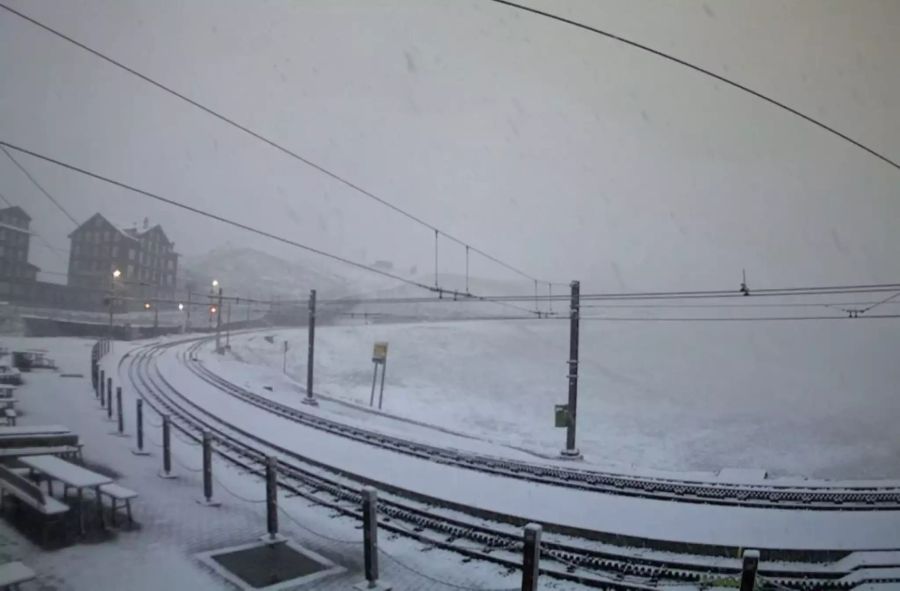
[
  {"x": 816, "y": 496},
  {"x": 469, "y": 534}
]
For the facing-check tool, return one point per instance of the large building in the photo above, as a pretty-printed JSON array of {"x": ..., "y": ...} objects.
[
  {"x": 145, "y": 259},
  {"x": 14, "y": 241}
]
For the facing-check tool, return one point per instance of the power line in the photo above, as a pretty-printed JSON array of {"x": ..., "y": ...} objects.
[
  {"x": 732, "y": 319},
  {"x": 702, "y": 70},
  {"x": 241, "y": 225},
  {"x": 40, "y": 188},
  {"x": 58, "y": 251},
  {"x": 333, "y": 175}
]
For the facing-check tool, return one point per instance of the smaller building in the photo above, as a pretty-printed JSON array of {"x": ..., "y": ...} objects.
[{"x": 14, "y": 242}]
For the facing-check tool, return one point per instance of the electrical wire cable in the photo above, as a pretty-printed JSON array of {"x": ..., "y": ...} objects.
[
  {"x": 40, "y": 188},
  {"x": 702, "y": 70},
  {"x": 213, "y": 216},
  {"x": 331, "y": 174}
]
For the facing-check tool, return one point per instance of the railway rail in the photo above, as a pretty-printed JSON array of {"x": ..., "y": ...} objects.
[
  {"x": 469, "y": 534},
  {"x": 815, "y": 496}
]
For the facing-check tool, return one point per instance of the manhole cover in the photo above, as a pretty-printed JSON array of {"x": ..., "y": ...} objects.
[{"x": 269, "y": 566}]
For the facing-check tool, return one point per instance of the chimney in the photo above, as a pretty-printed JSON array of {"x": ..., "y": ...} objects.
[{"x": 146, "y": 222}]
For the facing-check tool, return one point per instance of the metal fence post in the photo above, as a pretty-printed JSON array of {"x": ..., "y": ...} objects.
[
  {"x": 207, "y": 472},
  {"x": 109, "y": 402},
  {"x": 370, "y": 533},
  {"x": 139, "y": 425},
  {"x": 119, "y": 413},
  {"x": 102, "y": 388},
  {"x": 748, "y": 572},
  {"x": 272, "y": 496},
  {"x": 167, "y": 449},
  {"x": 531, "y": 557}
]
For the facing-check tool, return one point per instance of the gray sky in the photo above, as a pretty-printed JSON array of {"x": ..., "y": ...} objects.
[{"x": 562, "y": 152}]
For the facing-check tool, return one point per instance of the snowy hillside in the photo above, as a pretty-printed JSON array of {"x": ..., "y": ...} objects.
[{"x": 814, "y": 399}]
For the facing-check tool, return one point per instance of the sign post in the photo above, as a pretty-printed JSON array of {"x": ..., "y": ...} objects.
[
  {"x": 379, "y": 357},
  {"x": 284, "y": 365}
]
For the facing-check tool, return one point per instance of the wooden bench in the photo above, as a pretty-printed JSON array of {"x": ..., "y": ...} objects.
[
  {"x": 10, "y": 415},
  {"x": 116, "y": 493},
  {"x": 13, "y": 574},
  {"x": 30, "y": 495}
]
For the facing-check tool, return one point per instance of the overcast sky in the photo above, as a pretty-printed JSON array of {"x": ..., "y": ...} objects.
[{"x": 562, "y": 152}]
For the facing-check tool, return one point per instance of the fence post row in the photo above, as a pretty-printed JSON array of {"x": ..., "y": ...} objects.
[
  {"x": 109, "y": 399},
  {"x": 102, "y": 388},
  {"x": 531, "y": 557},
  {"x": 272, "y": 496}
]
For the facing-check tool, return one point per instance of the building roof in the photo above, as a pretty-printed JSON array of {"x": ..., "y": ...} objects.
[
  {"x": 90, "y": 220},
  {"x": 16, "y": 209}
]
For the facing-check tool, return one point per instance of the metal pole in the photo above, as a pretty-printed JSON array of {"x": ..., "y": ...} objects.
[
  {"x": 228, "y": 329},
  {"x": 102, "y": 388},
  {"x": 167, "y": 450},
  {"x": 207, "y": 468},
  {"x": 187, "y": 322},
  {"x": 219, "y": 323},
  {"x": 435, "y": 257},
  {"x": 748, "y": 572},
  {"x": 272, "y": 496},
  {"x": 571, "y": 451},
  {"x": 467, "y": 268},
  {"x": 139, "y": 420},
  {"x": 531, "y": 557},
  {"x": 109, "y": 402},
  {"x": 374, "y": 381},
  {"x": 383, "y": 371},
  {"x": 311, "y": 349},
  {"x": 121, "y": 416},
  {"x": 370, "y": 534}
]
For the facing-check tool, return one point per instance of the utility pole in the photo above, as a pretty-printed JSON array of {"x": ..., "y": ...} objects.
[
  {"x": 571, "y": 452},
  {"x": 312, "y": 348},
  {"x": 219, "y": 323},
  {"x": 187, "y": 322},
  {"x": 228, "y": 328}
]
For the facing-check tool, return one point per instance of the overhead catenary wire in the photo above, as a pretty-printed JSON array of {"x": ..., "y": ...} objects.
[
  {"x": 242, "y": 226},
  {"x": 40, "y": 187},
  {"x": 702, "y": 70},
  {"x": 211, "y": 215},
  {"x": 287, "y": 151}
]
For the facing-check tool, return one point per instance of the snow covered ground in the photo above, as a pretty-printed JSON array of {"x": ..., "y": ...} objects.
[
  {"x": 796, "y": 398},
  {"x": 173, "y": 527}
]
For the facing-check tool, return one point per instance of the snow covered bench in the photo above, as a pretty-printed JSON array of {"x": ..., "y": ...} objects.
[
  {"x": 13, "y": 574},
  {"x": 117, "y": 492},
  {"x": 30, "y": 495}
]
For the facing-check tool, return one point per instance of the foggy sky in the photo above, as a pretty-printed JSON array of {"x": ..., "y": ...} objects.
[{"x": 562, "y": 152}]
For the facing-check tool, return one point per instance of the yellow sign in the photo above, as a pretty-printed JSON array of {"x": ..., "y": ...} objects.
[{"x": 379, "y": 352}]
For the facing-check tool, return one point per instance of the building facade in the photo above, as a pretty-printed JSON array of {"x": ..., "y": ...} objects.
[
  {"x": 145, "y": 258},
  {"x": 14, "y": 241}
]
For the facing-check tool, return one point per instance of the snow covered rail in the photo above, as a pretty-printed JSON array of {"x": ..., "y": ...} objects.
[
  {"x": 628, "y": 564},
  {"x": 815, "y": 496}
]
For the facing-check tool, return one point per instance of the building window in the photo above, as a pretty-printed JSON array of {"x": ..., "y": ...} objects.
[
  {"x": 130, "y": 254},
  {"x": 115, "y": 251}
]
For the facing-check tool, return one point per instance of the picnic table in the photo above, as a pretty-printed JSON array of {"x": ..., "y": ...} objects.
[
  {"x": 26, "y": 430},
  {"x": 72, "y": 476}
]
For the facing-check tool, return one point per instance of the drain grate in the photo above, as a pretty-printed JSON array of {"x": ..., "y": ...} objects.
[{"x": 269, "y": 566}]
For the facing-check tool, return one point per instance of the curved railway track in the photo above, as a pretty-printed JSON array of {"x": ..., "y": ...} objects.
[
  {"x": 467, "y": 533},
  {"x": 816, "y": 496}
]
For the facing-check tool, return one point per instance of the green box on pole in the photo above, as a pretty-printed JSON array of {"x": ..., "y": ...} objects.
[{"x": 562, "y": 415}]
